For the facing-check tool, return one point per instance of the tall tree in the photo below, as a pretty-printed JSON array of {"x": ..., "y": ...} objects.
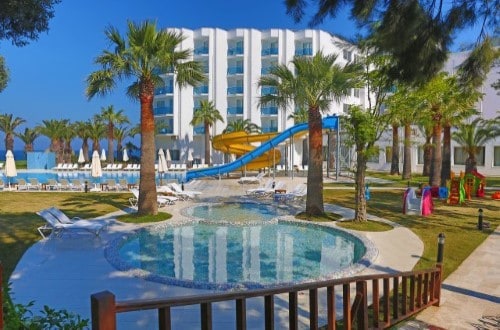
[
  {"x": 207, "y": 114},
  {"x": 4, "y": 74},
  {"x": 23, "y": 20},
  {"x": 97, "y": 131},
  {"x": 242, "y": 125},
  {"x": 120, "y": 134},
  {"x": 425, "y": 128},
  {"x": 28, "y": 137},
  {"x": 54, "y": 129},
  {"x": 8, "y": 125},
  {"x": 316, "y": 83},
  {"x": 68, "y": 135},
  {"x": 111, "y": 118},
  {"x": 418, "y": 34},
  {"x": 143, "y": 55}
]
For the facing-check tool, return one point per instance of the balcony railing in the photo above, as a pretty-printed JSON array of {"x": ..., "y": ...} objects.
[
  {"x": 269, "y": 111},
  {"x": 235, "y": 70},
  {"x": 235, "y": 110},
  {"x": 268, "y": 90},
  {"x": 201, "y": 51},
  {"x": 269, "y": 129},
  {"x": 304, "y": 52},
  {"x": 394, "y": 297},
  {"x": 235, "y": 90},
  {"x": 162, "y": 111},
  {"x": 269, "y": 51},
  {"x": 199, "y": 130},
  {"x": 200, "y": 90},
  {"x": 235, "y": 51},
  {"x": 164, "y": 90}
]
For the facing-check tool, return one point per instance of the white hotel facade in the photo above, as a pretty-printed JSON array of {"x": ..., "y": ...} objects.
[{"x": 233, "y": 61}]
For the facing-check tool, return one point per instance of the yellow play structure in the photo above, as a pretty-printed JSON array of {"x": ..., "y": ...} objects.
[{"x": 240, "y": 143}]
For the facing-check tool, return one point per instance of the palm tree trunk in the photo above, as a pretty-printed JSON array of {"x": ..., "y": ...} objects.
[
  {"x": 446, "y": 163},
  {"x": 9, "y": 142},
  {"x": 85, "y": 148},
  {"x": 111, "y": 151},
  {"x": 360, "y": 206},
  {"x": 437, "y": 158},
  {"x": 147, "y": 204},
  {"x": 407, "y": 153},
  {"x": 207, "y": 143},
  {"x": 314, "y": 202},
  {"x": 332, "y": 146},
  {"x": 395, "y": 150},
  {"x": 426, "y": 169}
]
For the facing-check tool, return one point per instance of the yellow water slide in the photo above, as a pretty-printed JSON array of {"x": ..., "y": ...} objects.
[{"x": 240, "y": 143}]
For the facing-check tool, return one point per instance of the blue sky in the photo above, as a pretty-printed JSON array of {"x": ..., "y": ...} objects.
[{"x": 47, "y": 77}]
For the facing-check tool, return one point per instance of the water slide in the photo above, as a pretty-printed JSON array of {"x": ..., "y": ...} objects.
[{"x": 253, "y": 153}]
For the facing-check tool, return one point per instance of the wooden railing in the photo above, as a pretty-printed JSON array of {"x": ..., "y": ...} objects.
[{"x": 400, "y": 296}]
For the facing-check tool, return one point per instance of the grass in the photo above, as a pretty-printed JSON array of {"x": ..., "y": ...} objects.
[
  {"x": 364, "y": 226},
  {"x": 457, "y": 222},
  {"x": 134, "y": 218}
]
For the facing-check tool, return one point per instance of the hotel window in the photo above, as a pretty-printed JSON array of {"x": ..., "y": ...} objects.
[
  {"x": 420, "y": 155},
  {"x": 460, "y": 156},
  {"x": 345, "y": 108},
  {"x": 496, "y": 156},
  {"x": 355, "y": 92},
  {"x": 347, "y": 55}
]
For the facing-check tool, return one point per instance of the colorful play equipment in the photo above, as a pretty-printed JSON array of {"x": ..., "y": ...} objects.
[
  {"x": 253, "y": 153},
  {"x": 496, "y": 195},
  {"x": 412, "y": 204},
  {"x": 465, "y": 185}
]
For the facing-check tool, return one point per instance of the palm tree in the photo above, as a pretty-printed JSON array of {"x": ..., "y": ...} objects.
[
  {"x": 28, "y": 137},
  {"x": 207, "y": 114},
  {"x": 318, "y": 81},
  {"x": 242, "y": 125},
  {"x": 82, "y": 131},
  {"x": 8, "y": 124},
  {"x": 68, "y": 136},
  {"x": 112, "y": 118},
  {"x": 120, "y": 133},
  {"x": 96, "y": 130},
  {"x": 142, "y": 57},
  {"x": 425, "y": 128},
  {"x": 4, "y": 74},
  {"x": 55, "y": 129},
  {"x": 471, "y": 137}
]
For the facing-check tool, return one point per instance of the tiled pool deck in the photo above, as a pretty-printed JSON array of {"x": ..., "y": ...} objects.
[{"x": 63, "y": 272}]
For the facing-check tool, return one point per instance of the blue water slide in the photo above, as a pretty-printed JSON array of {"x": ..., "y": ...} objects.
[{"x": 331, "y": 122}]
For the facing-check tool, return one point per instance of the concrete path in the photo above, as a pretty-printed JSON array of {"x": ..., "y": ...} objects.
[{"x": 470, "y": 295}]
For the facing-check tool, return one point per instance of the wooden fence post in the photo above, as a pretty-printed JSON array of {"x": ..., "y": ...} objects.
[
  {"x": 103, "y": 310},
  {"x": 437, "y": 283}
]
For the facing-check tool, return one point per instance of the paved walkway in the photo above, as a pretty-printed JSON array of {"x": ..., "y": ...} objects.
[{"x": 470, "y": 295}]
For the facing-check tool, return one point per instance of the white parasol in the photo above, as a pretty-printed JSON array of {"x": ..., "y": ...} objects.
[
  {"x": 96, "y": 169},
  {"x": 81, "y": 158},
  {"x": 10, "y": 165},
  {"x": 103, "y": 155},
  {"x": 162, "y": 164},
  {"x": 125, "y": 155},
  {"x": 167, "y": 157}
]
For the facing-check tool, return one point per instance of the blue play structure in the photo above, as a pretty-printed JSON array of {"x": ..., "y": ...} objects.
[{"x": 328, "y": 123}]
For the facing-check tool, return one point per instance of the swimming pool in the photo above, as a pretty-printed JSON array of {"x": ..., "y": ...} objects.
[
  {"x": 222, "y": 256},
  {"x": 236, "y": 212}
]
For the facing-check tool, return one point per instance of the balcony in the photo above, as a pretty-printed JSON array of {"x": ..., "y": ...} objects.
[
  {"x": 269, "y": 129},
  {"x": 200, "y": 90},
  {"x": 203, "y": 50},
  {"x": 269, "y": 51},
  {"x": 235, "y": 51},
  {"x": 269, "y": 111},
  {"x": 268, "y": 90},
  {"x": 164, "y": 90},
  {"x": 235, "y": 111},
  {"x": 304, "y": 52},
  {"x": 235, "y": 90},
  {"x": 162, "y": 111},
  {"x": 235, "y": 70},
  {"x": 199, "y": 130}
]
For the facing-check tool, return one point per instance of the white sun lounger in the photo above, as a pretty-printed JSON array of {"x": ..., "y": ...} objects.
[{"x": 58, "y": 228}]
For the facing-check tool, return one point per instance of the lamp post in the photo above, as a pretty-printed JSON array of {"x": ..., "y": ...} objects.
[
  {"x": 480, "y": 219},
  {"x": 441, "y": 239}
]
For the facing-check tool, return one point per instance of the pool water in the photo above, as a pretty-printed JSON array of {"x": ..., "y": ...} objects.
[
  {"x": 237, "y": 212},
  {"x": 211, "y": 255}
]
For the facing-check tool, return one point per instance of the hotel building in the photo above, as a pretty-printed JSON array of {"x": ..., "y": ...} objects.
[{"x": 233, "y": 61}]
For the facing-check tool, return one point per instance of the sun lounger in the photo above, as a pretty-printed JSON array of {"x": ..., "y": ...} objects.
[
  {"x": 252, "y": 179},
  {"x": 58, "y": 228},
  {"x": 161, "y": 200}
]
